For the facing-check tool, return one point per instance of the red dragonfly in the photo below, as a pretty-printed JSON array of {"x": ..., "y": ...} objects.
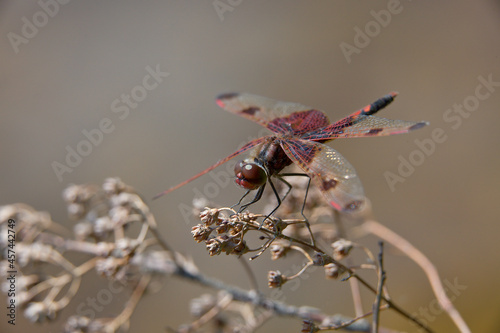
[{"x": 298, "y": 135}]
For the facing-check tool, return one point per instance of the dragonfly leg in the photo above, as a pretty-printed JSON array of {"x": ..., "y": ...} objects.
[
  {"x": 254, "y": 200},
  {"x": 241, "y": 199},
  {"x": 306, "y": 221}
]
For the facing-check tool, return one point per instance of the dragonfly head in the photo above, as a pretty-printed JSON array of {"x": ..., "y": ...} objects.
[{"x": 250, "y": 174}]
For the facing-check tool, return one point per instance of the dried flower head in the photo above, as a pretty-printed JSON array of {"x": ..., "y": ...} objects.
[
  {"x": 236, "y": 229},
  {"x": 28, "y": 253},
  {"x": 275, "y": 279},
  {"x": 223, "y": 227},
  {"x": 201, "y": 305},
  {"x": 321, "y": 259},
  {"x": 238, "y": 248},
  {"x": 201, "y": 232},
  {"x": 308, "y": 327},
  {"x": 125, "y": 247},
  {"x": 279, "y": 249},
  {"x": 113, "y": 186},
  {"x": 110, "y": 267},
  {"x": 102, "y": 226},
  {"x": 275, "y": 224},
  {"x": 210, "y": 216},
  {"x": 341, "y": 248},
  {"x": 213, "y": 247},
  {"x": 226, "y": 244},
  {"x": 246, "y": 217},
  {"x": 81, "y": 324},
  {"x": 83, "y": 230},
  {"x": 78, "y": 199},
  {"x": 38, "y": 312},
  {"x": 333, "y": 271}
]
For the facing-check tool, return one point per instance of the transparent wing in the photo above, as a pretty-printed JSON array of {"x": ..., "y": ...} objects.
[
  {"x": 363, "y": 126},
  {"x": 269, "y": 112},
  {"x": 362, "y": 123},
  {"x": 330, "y": 172},
  {"x": 243, "y": 149}
]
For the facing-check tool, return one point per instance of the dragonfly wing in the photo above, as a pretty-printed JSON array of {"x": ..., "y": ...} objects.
[
  {"x": 265, "y": 111},
  {"x": 330, "y": 171},
  {"x": 243, "y": 149},
  {"x": 363, "y": 126}
]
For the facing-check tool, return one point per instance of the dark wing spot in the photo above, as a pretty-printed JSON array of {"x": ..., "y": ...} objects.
[
  {"x": 250, "y": 111},
  {"x": 227, "y": 95},
  {"x": 375, "y": 131},
  {"x": 329, "y": 184},
  {"x": 418, "y": 125}
]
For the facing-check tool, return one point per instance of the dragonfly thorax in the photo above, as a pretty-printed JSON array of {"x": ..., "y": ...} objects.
[{"x": 250, "y": 174}]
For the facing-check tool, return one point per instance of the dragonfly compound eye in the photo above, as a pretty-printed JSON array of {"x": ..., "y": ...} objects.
[{"x": 249, "y": 175}]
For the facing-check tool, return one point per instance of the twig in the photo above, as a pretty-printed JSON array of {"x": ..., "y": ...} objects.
[
  {"x": 381, "y": 281},
  {"x": 354, "y": 283},
  {"x": 131, "y": 304},
  {"x": 277, "y": 307},
  {"x": 348, "y": 323},
  {"x": 356, "y": 297},
  {"x": 429, "y": 269},
  {"x": 352, "y": 274}
]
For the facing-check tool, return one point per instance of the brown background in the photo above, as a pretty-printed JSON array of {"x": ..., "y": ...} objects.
[{"x": 65, "y": 79}]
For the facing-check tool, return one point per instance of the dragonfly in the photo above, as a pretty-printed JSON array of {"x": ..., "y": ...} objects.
[{"x": 298, "y": 136}]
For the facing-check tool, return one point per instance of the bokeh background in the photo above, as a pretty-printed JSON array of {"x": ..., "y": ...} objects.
[{"x": 64, "y": 79}]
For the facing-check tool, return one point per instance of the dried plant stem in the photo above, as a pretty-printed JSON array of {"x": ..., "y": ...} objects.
[
  {"x": 85, "y": 267},
  {"x": 210, "y": 314},
  {"x": 356, "y": 297},
  {"x": 131, "y": 304},
  {"x": 301, "y": 250},
  {"x": 429, "y": 269},
  {"x": 352, "y": 274},
  {"x": 380, "y": 289},
  {"x": 308, "y": 264},
  {"x": 346, "y": 324},
  {"x": 277, "y": 307},
  {"x": 355, "y": 290},
  {"x": 103, "y": 234},
  {"x": 59, "y": 281}
]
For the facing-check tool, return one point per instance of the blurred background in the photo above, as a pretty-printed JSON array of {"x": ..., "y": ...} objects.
[{"x": 64, "y": 74}]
